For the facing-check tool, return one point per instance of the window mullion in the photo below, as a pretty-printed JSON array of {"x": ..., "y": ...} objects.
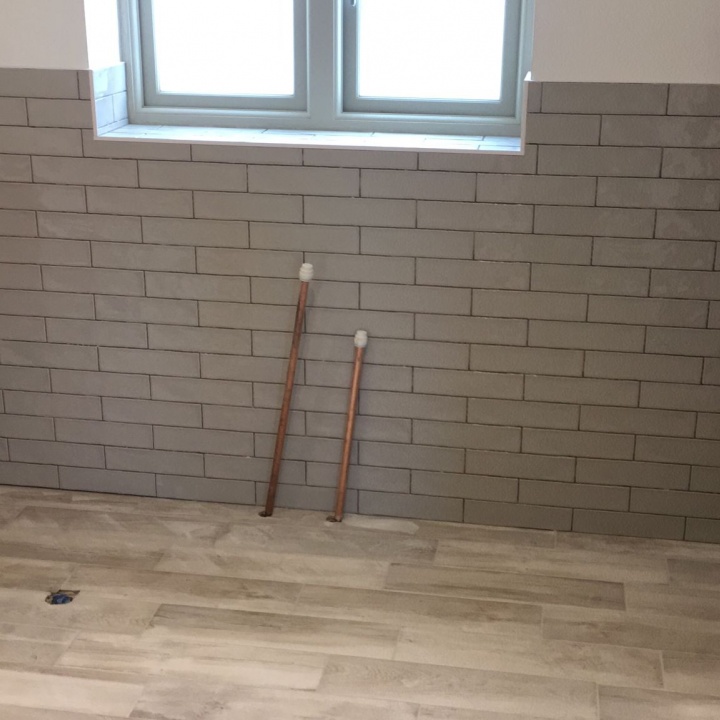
[{"x": 323, "y": 62}]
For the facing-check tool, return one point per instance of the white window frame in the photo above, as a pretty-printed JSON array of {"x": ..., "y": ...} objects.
[{"x": 329, "y": 103}]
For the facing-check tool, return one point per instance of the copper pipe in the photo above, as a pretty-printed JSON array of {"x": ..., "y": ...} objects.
[
  {"x": 361, "y": 338},
  {"x": 306, "y": 275}
]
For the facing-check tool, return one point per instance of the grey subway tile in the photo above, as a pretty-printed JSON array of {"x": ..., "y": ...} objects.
[
  {"x": 578, "y": 444},
  {"x": 600, "y": 161},
  {"x": 521, "y": 465},
  {"x": 130, "y": 201},
  {"x": 522, "y": 163},
  {"x": 679, "y": 132},
  {"x": 656, "y": 193},
  {"x": 305, "y": 238},
  {"x": 518, "y": 515},
  {"x": 248, "y": 206},
  {"x": 563, "y": 129},
  {"x": 694, "y": 100},
  {"x": 289, "y": 180},
  {"x": 180, "y": 487},
  {"x": 40, "y": 141},
  {"x": 534, "y": 360},
  {"x": 691, "y": 163},
  {"x": 633, "y": 524},
  {"x": 101, "y": 383},
  {"x": 648, "y": 311},
  {"x": 472, "y": 216},
  {"x": 468, "y": 384},
  {"x": 192, "y": 176},
  {"x": 198, "y": 233},
  {"x": 109, "y": 481},
  {"x": 13, "y": 111},
  {"x": 59, "y": 113},
  {"x": 473, "y": 274},
  {"x": 633, "y": 473},
  {"x": 586, "y": 336},
  {"x": 645, "y": 253},
  {"x": 604, "y": 98},
  {"x": 531, "y": 305},
  {"x": 574, "y": 495},
  {"x": 536, "y": 189},
  {"x": 617, "y": 222},
  {"x": 411, "y": 506},
  {"x": 22, "y": 82},
  {"x": 533, "y": 248},
  {"x": 85, "y": 171},
  {"x": 418, "y": 185},
  {"x": 27, "y": 196},
  {"x": 688, "y": 225},
  {"x": 471, "y": 329},
  {"x": 74, "y": 226},
  {"x": 148, "y": 310},
  {"x": 525, "y": 413}
]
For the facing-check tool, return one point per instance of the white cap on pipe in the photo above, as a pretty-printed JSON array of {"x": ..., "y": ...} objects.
[
  {"x": 306, "y": 272},
  {"x": 361, "y": 339}
]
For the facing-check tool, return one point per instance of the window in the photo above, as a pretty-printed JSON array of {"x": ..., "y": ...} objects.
[{"x": 450, "y": 67}]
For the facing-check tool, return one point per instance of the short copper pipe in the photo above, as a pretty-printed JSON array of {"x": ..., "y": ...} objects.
[
  {"x": 306, "y": 275},
  {"x": 360, "y": 345}
]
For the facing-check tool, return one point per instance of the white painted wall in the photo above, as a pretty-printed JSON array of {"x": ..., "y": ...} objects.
[
  {"x": 575, "y": 40},
  {"x": 43, "y": 34},
  {"x": 103, "y": 43},
  {"x": 654, "y": 41}
]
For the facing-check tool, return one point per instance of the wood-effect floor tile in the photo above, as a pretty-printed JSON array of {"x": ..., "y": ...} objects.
[
  {"x": 33, "y": 574},
  {"x": 692, "y": 673},
  {"x": 410, "y": 609},
  {"x": 198, "y": 611},
  {"x": 293, "y": 632},
  {"x": 631, "y": 704},
  {"x": 382, "y": 524},
  {"x": 170, "y": 699},
  {"x": 79, "y": 694},
  {"x": 639, "y": 546},
  {"x": 86, "y": 612},
  {"x": 556, "y": 562},
  {"x": 461, "y": 688},
  {"x": 32, "y": 645},
  {"x": 23, "y": 713},
  {"x": 531, "y": 656},
  {"x": 631, "y": 629},
  {"x": 280, "y": 567},
  {"x": 105, "y": 529},
  {"x": 694, "y": 572},
  {"x": 439, "y": 713},
  {"x": 160, "y": 652},
  {"x": 8, "y": 512},
  {"x": 487, "y": 534},
  {"x": 186, "y": 589},
  {"x": 59, "y": 550},
  {"x": 335, "y": 540},
  {"x": 103, "y": 502},
  {"x": 699, "y": 602},
  {"x": 466, "y": 582}
]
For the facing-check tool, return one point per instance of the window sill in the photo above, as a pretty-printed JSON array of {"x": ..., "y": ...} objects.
[{"x": 308, "y": 139}]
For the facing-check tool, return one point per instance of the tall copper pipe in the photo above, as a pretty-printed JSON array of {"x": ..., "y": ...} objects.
[
  {"x": 361, "y": 339},
  {"x": 306, "y": 275}
]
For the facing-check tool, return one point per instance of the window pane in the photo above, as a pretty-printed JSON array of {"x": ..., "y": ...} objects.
[
  {"x": 430, "y": 49},
  {"x": 225, "y": 47}
]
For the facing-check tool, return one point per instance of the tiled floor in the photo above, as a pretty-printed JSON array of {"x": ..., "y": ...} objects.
[{"x": 192, "y": 611}]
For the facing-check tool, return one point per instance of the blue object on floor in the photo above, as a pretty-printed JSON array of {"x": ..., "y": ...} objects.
[{"x": 61, "y": 597}]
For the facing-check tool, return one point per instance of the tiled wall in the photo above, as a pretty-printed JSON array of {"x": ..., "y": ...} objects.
[{"x": 545, "y": 329}]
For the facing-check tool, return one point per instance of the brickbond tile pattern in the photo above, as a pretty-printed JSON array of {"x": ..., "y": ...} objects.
[{"x": 545, "y": 328}]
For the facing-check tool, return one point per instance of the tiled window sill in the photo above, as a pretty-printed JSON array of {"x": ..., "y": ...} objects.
[{"x": 304, "y": 139}]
